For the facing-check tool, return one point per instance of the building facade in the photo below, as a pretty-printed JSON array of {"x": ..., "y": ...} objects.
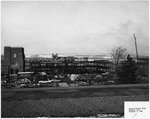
[
  {"x": 69, "y": 67},
  {"x": 14, "y": 60}
]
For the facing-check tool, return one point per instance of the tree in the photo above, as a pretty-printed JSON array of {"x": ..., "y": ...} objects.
[
  {"x": 117, "y": 54},
  {"x": 127, "y": 71}
]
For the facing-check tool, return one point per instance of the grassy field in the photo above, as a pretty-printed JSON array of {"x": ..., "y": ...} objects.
[
  {"x": 74, "y": 92},
  {"x": 70, "y": 102},
  {"x": 68, "y": 107}
]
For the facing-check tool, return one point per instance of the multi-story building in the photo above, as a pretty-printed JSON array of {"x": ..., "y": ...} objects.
[
  {"x": 14, "y": 60},
  {"x": 70, "y": 67}
]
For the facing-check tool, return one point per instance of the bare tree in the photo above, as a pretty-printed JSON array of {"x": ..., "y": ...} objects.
[{"x": 118, "y": 54}]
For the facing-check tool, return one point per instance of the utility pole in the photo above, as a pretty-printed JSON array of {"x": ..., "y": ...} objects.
[{"x": 136, "y": 47}]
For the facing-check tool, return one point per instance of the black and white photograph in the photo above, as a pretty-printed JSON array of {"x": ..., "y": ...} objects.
[{"x": 75, "y": 59}]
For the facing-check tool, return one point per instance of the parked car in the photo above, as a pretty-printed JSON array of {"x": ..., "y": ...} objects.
[
  {"x": 23, "y": 85},
  {"x": 81, "y": 83},
  {"x": 3, "y": 82},
  {"x": 31, "y": 85},
  {"x": 109, "y": 82}
]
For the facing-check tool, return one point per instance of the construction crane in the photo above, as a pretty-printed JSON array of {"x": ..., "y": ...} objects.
[{"x": 136, "y": 47}]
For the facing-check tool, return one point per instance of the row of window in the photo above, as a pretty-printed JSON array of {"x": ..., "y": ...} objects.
[{"x": 68, "y": 64}]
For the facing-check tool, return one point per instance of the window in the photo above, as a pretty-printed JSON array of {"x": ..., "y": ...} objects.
[
  {"x": 50, "y": 65},
  {"x": 78, "y": 64},
  {"x": 55, "y": 65},
  {"x": 85, "y": 64},
  {"x": 43, "y": 65},
  {"x": 62, "y": 64},
  {"x": 69, "y": 64},
  {"x": 27, "y": 67},
  {"x": 27, "y": 64},
  {"x": 81, "y": 64},
  {"x": 35, "y": 65},
  {"x": 90, "y": 63},
  {"x": 15, "y": 55}
]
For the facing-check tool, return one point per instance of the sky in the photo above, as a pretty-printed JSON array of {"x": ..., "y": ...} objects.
[{"x": 75, "y": 26}]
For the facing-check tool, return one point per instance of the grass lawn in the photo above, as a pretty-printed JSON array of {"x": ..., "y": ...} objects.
[
  {"x": 68, "y": 107},
  {"x": 70, "y": 102},
  {"x": 73, "y": 92}
]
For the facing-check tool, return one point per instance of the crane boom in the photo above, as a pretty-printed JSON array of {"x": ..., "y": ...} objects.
[{"x": 136, "y": 47}]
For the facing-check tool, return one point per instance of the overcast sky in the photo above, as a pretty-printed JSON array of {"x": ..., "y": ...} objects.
[{"x": 75, "y": 27}]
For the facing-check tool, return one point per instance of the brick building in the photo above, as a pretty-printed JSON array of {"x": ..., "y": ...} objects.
[{"x": 13, "y": 61}]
